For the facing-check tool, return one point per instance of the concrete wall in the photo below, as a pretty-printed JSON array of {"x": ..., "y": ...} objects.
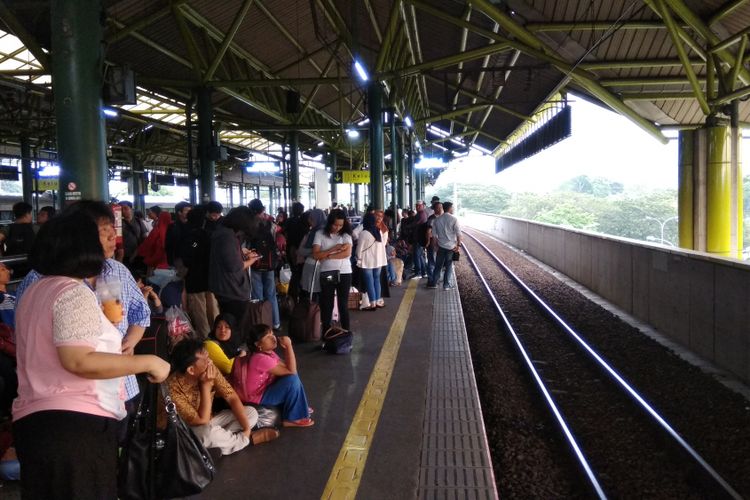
[{"x": 698, "y": 301}]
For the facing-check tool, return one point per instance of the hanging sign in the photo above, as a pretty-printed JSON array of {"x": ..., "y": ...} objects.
[
  {"x": 356, "y": 176},
  {"x": 47, "y": 184}
]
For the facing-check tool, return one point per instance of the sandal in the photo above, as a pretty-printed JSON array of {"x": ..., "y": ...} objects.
[
  {"x": 264, "y": 435},
  {"x": 303, "y": 422}
]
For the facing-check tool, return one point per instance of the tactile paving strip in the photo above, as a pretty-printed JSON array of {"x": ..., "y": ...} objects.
[{"x": 455, "y": 460}]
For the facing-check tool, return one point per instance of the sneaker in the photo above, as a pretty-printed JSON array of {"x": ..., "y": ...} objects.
[
  {"x": 449, "y": 287},
  {"x": 415, "y": 277},
  {"x": 432, "y": 287}
]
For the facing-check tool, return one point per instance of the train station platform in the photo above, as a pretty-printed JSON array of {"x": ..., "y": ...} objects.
[{"x": 397, "y": 418}]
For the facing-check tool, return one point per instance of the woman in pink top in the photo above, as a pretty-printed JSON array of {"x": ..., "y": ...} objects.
[
  {"x": 70, "y": 370},
  {"x": 263, "y": 378}
]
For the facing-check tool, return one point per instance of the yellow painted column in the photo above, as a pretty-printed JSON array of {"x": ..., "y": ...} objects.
[
  {"x": 719, "y": 192},
  {"x": 685, "y": 188}
]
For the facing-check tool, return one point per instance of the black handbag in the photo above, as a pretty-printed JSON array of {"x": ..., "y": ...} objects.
[
  {"x": 338, "y": 341},
  {"x": 134, "y": 467},
  {"x": 330, "y": 277},
  {"x": 455, "y": 256},
  {"x": 183, "y": 467}
]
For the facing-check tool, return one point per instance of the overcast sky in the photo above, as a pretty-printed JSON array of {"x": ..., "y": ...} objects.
[{"x": 603, "y": 144}]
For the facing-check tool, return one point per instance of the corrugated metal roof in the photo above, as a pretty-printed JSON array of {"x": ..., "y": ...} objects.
[{"x": 294, "y": 40}]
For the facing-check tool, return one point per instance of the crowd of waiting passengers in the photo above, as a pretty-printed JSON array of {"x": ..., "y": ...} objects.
[{"x": 68, "y": 336}]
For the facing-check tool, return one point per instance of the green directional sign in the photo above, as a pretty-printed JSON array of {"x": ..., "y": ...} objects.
[{"x": 338, "y": 177}]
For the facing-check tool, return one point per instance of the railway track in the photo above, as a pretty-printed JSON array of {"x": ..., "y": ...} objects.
[{"x": 622, "y": 445}]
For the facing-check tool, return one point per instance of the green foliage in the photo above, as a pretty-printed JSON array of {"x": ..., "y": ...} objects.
[
  {"x": 597, "y": 186},
  {"x": 474, "y": 197}
]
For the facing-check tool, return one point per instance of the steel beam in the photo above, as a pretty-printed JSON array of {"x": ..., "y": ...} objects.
[
  {"x": 683, "y": 56},
  {"x": 593, "y": 26},
  {"x": 636, "y": 64},
  {"x": 388, "y": 40},
  {"x": 26, "y": 38},
  {"x": 697, "y": 24},
  {"x": 530, "y": 45},
  {"x": 725, "y": 10},
  {"x": 228, "y": 39},
  {"x": 142, "y": 22}
]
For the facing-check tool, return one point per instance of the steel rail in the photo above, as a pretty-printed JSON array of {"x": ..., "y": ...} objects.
[
  {"x": 582, "y": 461},
  {"x": 614, "y": 374}
]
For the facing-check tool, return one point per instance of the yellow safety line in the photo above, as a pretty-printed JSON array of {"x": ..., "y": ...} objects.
[{"x": 350, "y": 464}]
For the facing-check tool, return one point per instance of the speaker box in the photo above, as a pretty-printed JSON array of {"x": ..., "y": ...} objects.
[
  {"x": 292, "y": 102},
  {"x": 119, "y": 86}
]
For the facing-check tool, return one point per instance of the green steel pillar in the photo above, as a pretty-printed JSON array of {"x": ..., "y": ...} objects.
[
  {"x": 394, "y": 168},
  {"x": 136, "y": 175},
  {"x": 736, "y": 175},
  {"x": 685, "y": 187},
  {"x": 206, "y": 145},
  {"x": 412, "y": 172},
  {"x": 190, "y": 162},
  {"x": 294, "y": 165},
  {"x": 334, "y": 192},
  {"x": 375, "y": 112},
  {"x": 77, "y": 82},
  {"x": 401, "y": 186},
  {"x": 27, "y": 176}
]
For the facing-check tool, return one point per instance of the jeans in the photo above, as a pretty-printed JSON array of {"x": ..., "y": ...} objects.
[
  {"x": 371, "y": 282},
  {"x": 420, "y": 266},
  {"x": 430, "y": 260},
  {"x": 287, "y": 392},
  {"x": 444, "y": 258},
  {"x": 327, "y": 292},
  {"x": 264, "y": 288}
]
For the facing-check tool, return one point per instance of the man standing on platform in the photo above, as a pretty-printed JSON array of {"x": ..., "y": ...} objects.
[{"x": 448, "y": 234}]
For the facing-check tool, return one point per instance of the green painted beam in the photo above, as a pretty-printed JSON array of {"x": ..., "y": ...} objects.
[
  {"x": 389, "y": 38},
  {"x": 142, "y": 22},
  {"x": 444, "y": 61},
  {"x": 18, "y": 29},
  {"x": 228, "y": 39},
  {"x": 540, "y": 51},
  {"x": 725, "y": 44},
  {"x": 697, "y": 24},
  {"x": 593, "y": 26},
  {"x": 683, "y": 56},
  {"x": 656, "y": 96},
  {"x": 635, "y": 64},
  {"x": 725, "y": 10},
  {"x": 451, "y": 114},
  {"x": 634, "y": 82}
]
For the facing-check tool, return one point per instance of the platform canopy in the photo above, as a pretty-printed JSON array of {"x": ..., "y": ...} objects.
[{"x": 469, "y": 74}]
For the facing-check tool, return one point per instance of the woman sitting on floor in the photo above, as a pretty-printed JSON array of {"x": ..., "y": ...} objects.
[
  {"x": 223, "y": 344},
  {"x": 263, "y": 378}
]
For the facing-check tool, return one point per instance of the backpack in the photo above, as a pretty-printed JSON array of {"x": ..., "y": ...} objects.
[{"x": 264, "y": 244}]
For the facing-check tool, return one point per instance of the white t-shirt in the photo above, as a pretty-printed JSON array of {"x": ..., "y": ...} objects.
[{"x": 326, "y": 242}]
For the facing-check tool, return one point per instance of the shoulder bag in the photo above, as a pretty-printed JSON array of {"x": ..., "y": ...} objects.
[
  {"x": 332, "y": 277},
  {"x": 183, "y": 467}
]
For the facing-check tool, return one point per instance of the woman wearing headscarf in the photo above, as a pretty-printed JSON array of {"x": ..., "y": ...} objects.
[
  {"x": 224, "y": 343},
  {"x": 153, "y": 248},
  {"x": 371, "y": 259},
  {"x": 317, "y": 221}
]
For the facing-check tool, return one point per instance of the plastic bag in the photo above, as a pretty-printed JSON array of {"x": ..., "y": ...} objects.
[
  {"x": 285, "y": 274},
  {"x": 178, "y": 325}
]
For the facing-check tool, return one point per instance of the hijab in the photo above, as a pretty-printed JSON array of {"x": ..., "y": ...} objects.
[
  {"x": 369, "y": 225},
  {"x": 317, "y": 222},
  {"x": 231, "y": 347}
]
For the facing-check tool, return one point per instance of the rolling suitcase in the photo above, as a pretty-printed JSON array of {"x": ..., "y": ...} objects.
[
  {"x": 258, "y": 311},
  {"x": 304, "y": 324}
]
